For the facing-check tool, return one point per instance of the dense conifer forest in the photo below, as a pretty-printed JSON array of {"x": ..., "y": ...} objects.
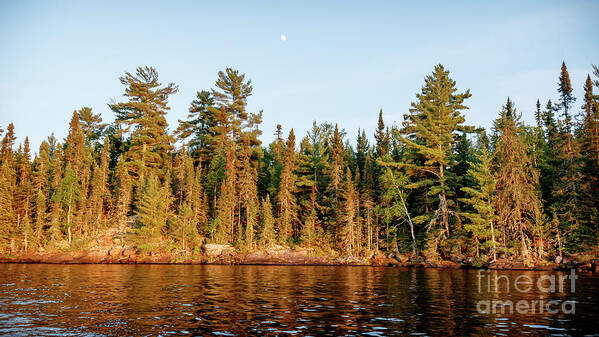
[{"x": 431, "y": 185}]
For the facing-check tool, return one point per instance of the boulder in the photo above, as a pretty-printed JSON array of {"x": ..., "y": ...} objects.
[{"x": 212, "y": 249}]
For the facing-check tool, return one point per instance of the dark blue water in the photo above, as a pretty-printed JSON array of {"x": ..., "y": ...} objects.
[{"x": 118, "y": 300}]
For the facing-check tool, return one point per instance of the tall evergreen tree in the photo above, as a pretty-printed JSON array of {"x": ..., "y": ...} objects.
[
  {"x": 394, "y": 182},
  {"x": 517, "y": 203},
  {"x": 567, "y": 188},
  {"x": 154, "y": 213},
  {"x": 123, "y": 194},
  {"x": 381, "y": 137},
  {"x": 224, "y": 223},
  {"x": 68, "y": 193},
  {"x": 248, "y": 194},
  {"x": 347, "y": 234},
  {"x": 198, "y": 130},
  {"x": 91, "y": 125},
  {"x": 431, "y": 132},
  {"x": 41, "y": 182},
  {"x": 286, "y": 199},
  {"x": 268, "y": 234},
  {"x": 143, "y": 117},
  {"x": 481, "y": 198},
  {"x": 24, "y": 196},
  {"x": 8, "y": 216}
]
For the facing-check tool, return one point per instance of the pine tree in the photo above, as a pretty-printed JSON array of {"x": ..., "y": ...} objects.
[
  {"x": 197, "y": 131},
  {"x": 230, "y": 97},
  {"x": 143, "y": 116},
  {"x": 430, "y": 133},
  {"x": 91, "y": 125}
]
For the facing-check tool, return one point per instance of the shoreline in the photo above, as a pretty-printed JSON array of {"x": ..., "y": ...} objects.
[{"x": 284, "y": 257}]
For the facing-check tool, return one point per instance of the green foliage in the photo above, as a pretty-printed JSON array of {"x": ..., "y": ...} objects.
[
  {"x": 527, "y": 192},
  {"x": 480, "y": 198},
  {"x": 430, "y": 135},
  {"x": 268, "y": 235},
  {"x": 154, "y": 212}
]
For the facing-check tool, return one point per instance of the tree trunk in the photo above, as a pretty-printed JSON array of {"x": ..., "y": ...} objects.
[{"x": 493, "y": 240}]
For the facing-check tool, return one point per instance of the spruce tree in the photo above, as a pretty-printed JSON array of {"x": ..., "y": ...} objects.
[
  {"x": 41, "y": 181},
  {"x": 98, "y": 190},
  {"x": 184, "y": 229},
  {"x": 517, "y": 203},
  {"x": 394, "y": 195},
  {"x": 248, "y": 194},
  {"x": 8, "y": 216},
  {"x": 566, "y": 100},
  {"x": 567, "y": 189},
  {"x": 481, "y": 198},
  {"x": 154, "y": 213},
  {"x": 381, "y": 137},
  {"x": 268, "y": 234},
  {"x": 8, "y": 142},
  {"x": 286, "y": 199},
  {"x": 347, "y": 233},
  {"x": 224, "y": 222},
  {"x": 68, "y": 193},
  {"x": 56, "y": 211},
  {"x": 123, "y": 195},
  {"x": 24, "y": 195},
  {"x": 336, "y": 178},
  {"x": 589, "y": 144}
]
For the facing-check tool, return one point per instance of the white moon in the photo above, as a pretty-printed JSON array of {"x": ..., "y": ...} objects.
[{"x": 283, "y": 37}]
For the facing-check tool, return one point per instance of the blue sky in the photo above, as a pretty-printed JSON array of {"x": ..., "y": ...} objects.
[{"x": 342, "y": 61}]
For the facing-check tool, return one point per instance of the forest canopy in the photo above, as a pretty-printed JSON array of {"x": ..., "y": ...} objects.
[{"x": 433, "y": 185}]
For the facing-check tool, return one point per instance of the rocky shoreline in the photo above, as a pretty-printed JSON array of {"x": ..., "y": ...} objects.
[{"x": 227, "y": 255}]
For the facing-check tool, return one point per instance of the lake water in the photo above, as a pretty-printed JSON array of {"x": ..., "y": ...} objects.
[{"x": 117, "y": 300}]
